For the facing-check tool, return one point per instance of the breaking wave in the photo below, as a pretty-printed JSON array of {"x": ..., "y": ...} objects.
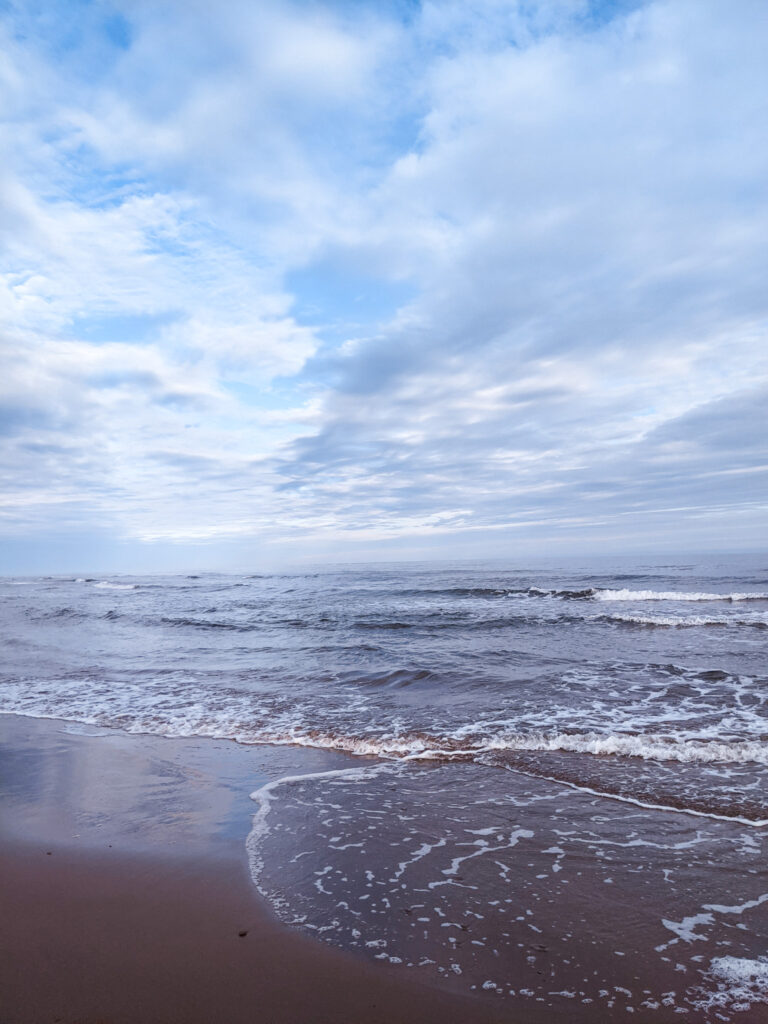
[
  {"x": 183, "y": 621},
  {"x": 687, "y": 621},
  {"x": 671, "y": 595},
  {"x": 426, "y": 747},
  {"x": 166, "y": 716},
  {"x": 598, "y": 594}
]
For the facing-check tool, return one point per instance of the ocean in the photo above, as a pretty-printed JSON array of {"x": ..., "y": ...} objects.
[{"x": 557, "y": 774}]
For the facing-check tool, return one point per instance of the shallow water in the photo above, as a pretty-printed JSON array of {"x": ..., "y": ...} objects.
[{"x": 562, "y": 757}]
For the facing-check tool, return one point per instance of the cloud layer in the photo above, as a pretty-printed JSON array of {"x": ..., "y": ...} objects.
[{"x": 366, "y": 280}]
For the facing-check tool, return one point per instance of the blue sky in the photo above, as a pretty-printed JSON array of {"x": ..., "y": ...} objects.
[{"x": 288, "y": 282}]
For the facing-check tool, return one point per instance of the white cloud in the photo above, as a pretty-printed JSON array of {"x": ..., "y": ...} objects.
[{"x": 579, "y": 206}]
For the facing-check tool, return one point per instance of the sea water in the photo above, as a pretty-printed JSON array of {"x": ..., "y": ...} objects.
[{"x": 559, "y": 785}]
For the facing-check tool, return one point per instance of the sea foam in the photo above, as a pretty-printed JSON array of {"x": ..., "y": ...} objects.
[
  {"x": 740, "y": 982},
  {"x": 758, "y": 620},
  {"x": 672, "y": 595}
]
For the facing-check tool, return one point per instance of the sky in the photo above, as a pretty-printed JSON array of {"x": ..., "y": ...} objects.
[{"x": 346, "y": 281}]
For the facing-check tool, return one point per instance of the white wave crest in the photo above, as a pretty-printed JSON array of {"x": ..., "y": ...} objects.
[
  {"x": 688, "y": 620},
  {"x": 672, "y": 595},
  {"x": 649, "y": 747},
  {"x": 134, "y": 714},
  {"x": 115, "y": 586}
]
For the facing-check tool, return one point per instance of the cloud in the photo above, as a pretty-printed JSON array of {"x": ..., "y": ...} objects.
[
  {"x": 560, "y": 208},
  {"x": 587, "y": 218}
]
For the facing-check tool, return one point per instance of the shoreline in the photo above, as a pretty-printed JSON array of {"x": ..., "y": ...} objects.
[
  {"x": 108, "y": 920},
  {"x": 127, "y": 895}
]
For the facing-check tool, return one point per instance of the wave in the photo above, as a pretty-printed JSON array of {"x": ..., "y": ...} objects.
[
  {"x": 685, "y": 621},
  {"x": 600, "y": 594},
  {"x": 463, "y": 742},
  {"x": 489, "y": 592},
  {"x": 104, "y": 585},
  {"x": 574, "y": 595},
  {"x": 698, "y": 808},
  {"x": 62, "y": 613},
  {"x": 396, "y": 678},
  {"x": 672, "y": 595},
  {"x": 384, "y": 625},
  {"x": 648, "y": 746},
  {"x": 182, "y": 621},
  {"x": 600, "y": 762},
  {"x": 497, "y": 592},
  {"x": 698, "y": 803}
]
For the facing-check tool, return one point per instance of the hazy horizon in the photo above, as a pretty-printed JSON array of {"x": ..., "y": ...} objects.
[{"x": 532, "y": 561}]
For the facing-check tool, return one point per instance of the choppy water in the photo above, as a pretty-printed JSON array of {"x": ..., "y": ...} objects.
[{"x": 529, "y": 737}]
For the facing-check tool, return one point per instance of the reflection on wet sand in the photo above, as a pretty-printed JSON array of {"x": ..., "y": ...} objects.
[{"x": 186, "y": 796}]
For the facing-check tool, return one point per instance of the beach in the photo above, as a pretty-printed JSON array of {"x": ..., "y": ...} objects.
[
  {"x": 413, "y": 794},
  {"x": 127, "y": 896},
  {"x": 133, "y": 911}
]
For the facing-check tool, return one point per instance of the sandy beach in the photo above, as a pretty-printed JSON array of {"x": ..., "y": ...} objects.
[{"x": 126, "y": 897}]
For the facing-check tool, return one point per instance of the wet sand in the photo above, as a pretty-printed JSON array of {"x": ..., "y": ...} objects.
[
  {"x": 88, "y": 938},
  {"x": 124, "y": 893}
]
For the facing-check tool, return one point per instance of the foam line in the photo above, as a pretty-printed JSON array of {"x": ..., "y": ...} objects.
[
  {"x": 642, "y": 803},
  {"x": 757, "y": 620},
  {"x": 265, "y": 798},
  {"x": 672, "y": 595}
]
